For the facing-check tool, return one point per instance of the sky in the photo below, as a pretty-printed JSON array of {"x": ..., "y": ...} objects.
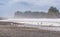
[{"x": 9, "y": 7}]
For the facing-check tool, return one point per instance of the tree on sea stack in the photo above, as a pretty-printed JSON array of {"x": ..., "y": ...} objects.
[
  {"x": 17, "y": 14},
  {"x": 53, "y": 12}
]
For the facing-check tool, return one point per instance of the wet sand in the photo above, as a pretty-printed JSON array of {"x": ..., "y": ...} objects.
[{"x": 14, "y": 31}]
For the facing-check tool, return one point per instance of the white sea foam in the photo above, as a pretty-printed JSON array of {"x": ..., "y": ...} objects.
[{"x": 42, "y": 21}]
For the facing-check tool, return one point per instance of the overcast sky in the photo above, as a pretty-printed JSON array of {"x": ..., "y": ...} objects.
[{"x": 8, "y": 7}]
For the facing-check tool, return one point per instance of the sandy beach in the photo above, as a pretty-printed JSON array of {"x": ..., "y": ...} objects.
[{"x": 14, "y": 31}]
